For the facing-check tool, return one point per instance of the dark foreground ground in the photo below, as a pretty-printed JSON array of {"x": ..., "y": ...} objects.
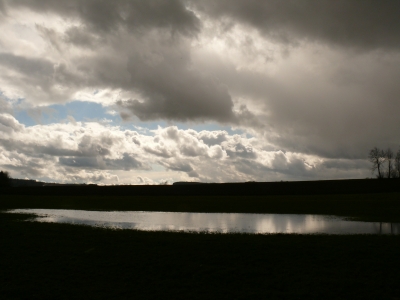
[{"x": 59, "y": 261}]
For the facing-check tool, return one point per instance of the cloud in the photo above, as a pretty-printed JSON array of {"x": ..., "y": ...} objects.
[
  {"x": 365, "y": 26},
  {"x": 239, "y": 150},
  {"x": 64, "y": 150},
  {"x": 314, "y": 83},
  {"x": 8, "y": 124},
  {"x": 128, "y": 46},
  {"x": 98, "y": 177},
  {"x": 35, "y": 67},
  {"x": 327, "y": 102},
  {"x": 126, "y": 163},
  {"x": 83, "y": 152},
  {"x": 213, "y": 137},
  {"x": 37, "y": 79},
  {"x": 105, "y": 16},
  {"x": 188, "y": 97}
]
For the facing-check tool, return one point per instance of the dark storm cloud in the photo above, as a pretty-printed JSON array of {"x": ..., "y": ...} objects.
[
  {"x": 138, "y": 46},
  {"x": 104, "y": 15},
  {"x": 185, "y": 96},
  {"x": 35, "y": 67},
  {"x": 335, "y": 104},
  {"x": 78, "y": 36},
  {"x": 366, "y": 24},
  {"x": 2, "y": 7}
]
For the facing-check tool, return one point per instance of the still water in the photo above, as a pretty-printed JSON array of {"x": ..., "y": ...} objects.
[{"x": 212, "y": 222}]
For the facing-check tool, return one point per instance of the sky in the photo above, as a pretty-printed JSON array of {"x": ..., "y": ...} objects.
[{"x": 155, "y": 91}]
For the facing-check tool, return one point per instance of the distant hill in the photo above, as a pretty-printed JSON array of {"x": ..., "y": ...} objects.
[
  {"x": 323, "y": 187},
  {"x": 187, "y": 183},
  {"x": 29, "y": 182},
  {"x": 25, "y": 182}
]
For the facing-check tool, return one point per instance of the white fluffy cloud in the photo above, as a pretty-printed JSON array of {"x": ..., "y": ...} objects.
[{"x": 90, "y": 152}]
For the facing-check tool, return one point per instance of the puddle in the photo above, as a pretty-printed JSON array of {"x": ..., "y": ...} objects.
[{"x": 212, "y": 222}]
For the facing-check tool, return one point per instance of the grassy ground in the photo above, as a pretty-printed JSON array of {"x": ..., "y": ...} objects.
[{"x": 48, "y": 261}]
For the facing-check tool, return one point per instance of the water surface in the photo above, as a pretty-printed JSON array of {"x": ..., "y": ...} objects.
[{"x": 212, "y": 222}]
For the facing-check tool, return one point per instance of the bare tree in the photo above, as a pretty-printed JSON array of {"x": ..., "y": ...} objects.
[
  {"x": 390, "y": 165},
  {"x": 377, "y": 158},
  {"x": 397, "y": 164}
]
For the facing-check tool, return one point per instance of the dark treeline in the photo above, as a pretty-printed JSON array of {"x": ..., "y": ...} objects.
[
  {"x": 385, "y": 162},
  {"x": 323, "y": 187}
]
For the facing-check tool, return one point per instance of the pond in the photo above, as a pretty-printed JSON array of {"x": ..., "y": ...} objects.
[{"x": 212, "y": 222}]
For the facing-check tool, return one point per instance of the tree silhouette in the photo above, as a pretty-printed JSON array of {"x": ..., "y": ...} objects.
[
  {"x": 377, "y": 158},
  {"x": 389, "y": 160},
  {"x": 5, "y": 179},
  {"x": 397, "y": 164}
]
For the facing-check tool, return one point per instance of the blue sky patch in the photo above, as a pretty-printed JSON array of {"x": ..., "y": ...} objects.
[{"x": 85, "y": 111}]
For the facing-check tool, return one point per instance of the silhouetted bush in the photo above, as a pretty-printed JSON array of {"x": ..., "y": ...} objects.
[{"x": 5, "y": 179}]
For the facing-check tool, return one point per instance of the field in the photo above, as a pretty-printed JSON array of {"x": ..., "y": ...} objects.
[{"x": 47, "y": 261}]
